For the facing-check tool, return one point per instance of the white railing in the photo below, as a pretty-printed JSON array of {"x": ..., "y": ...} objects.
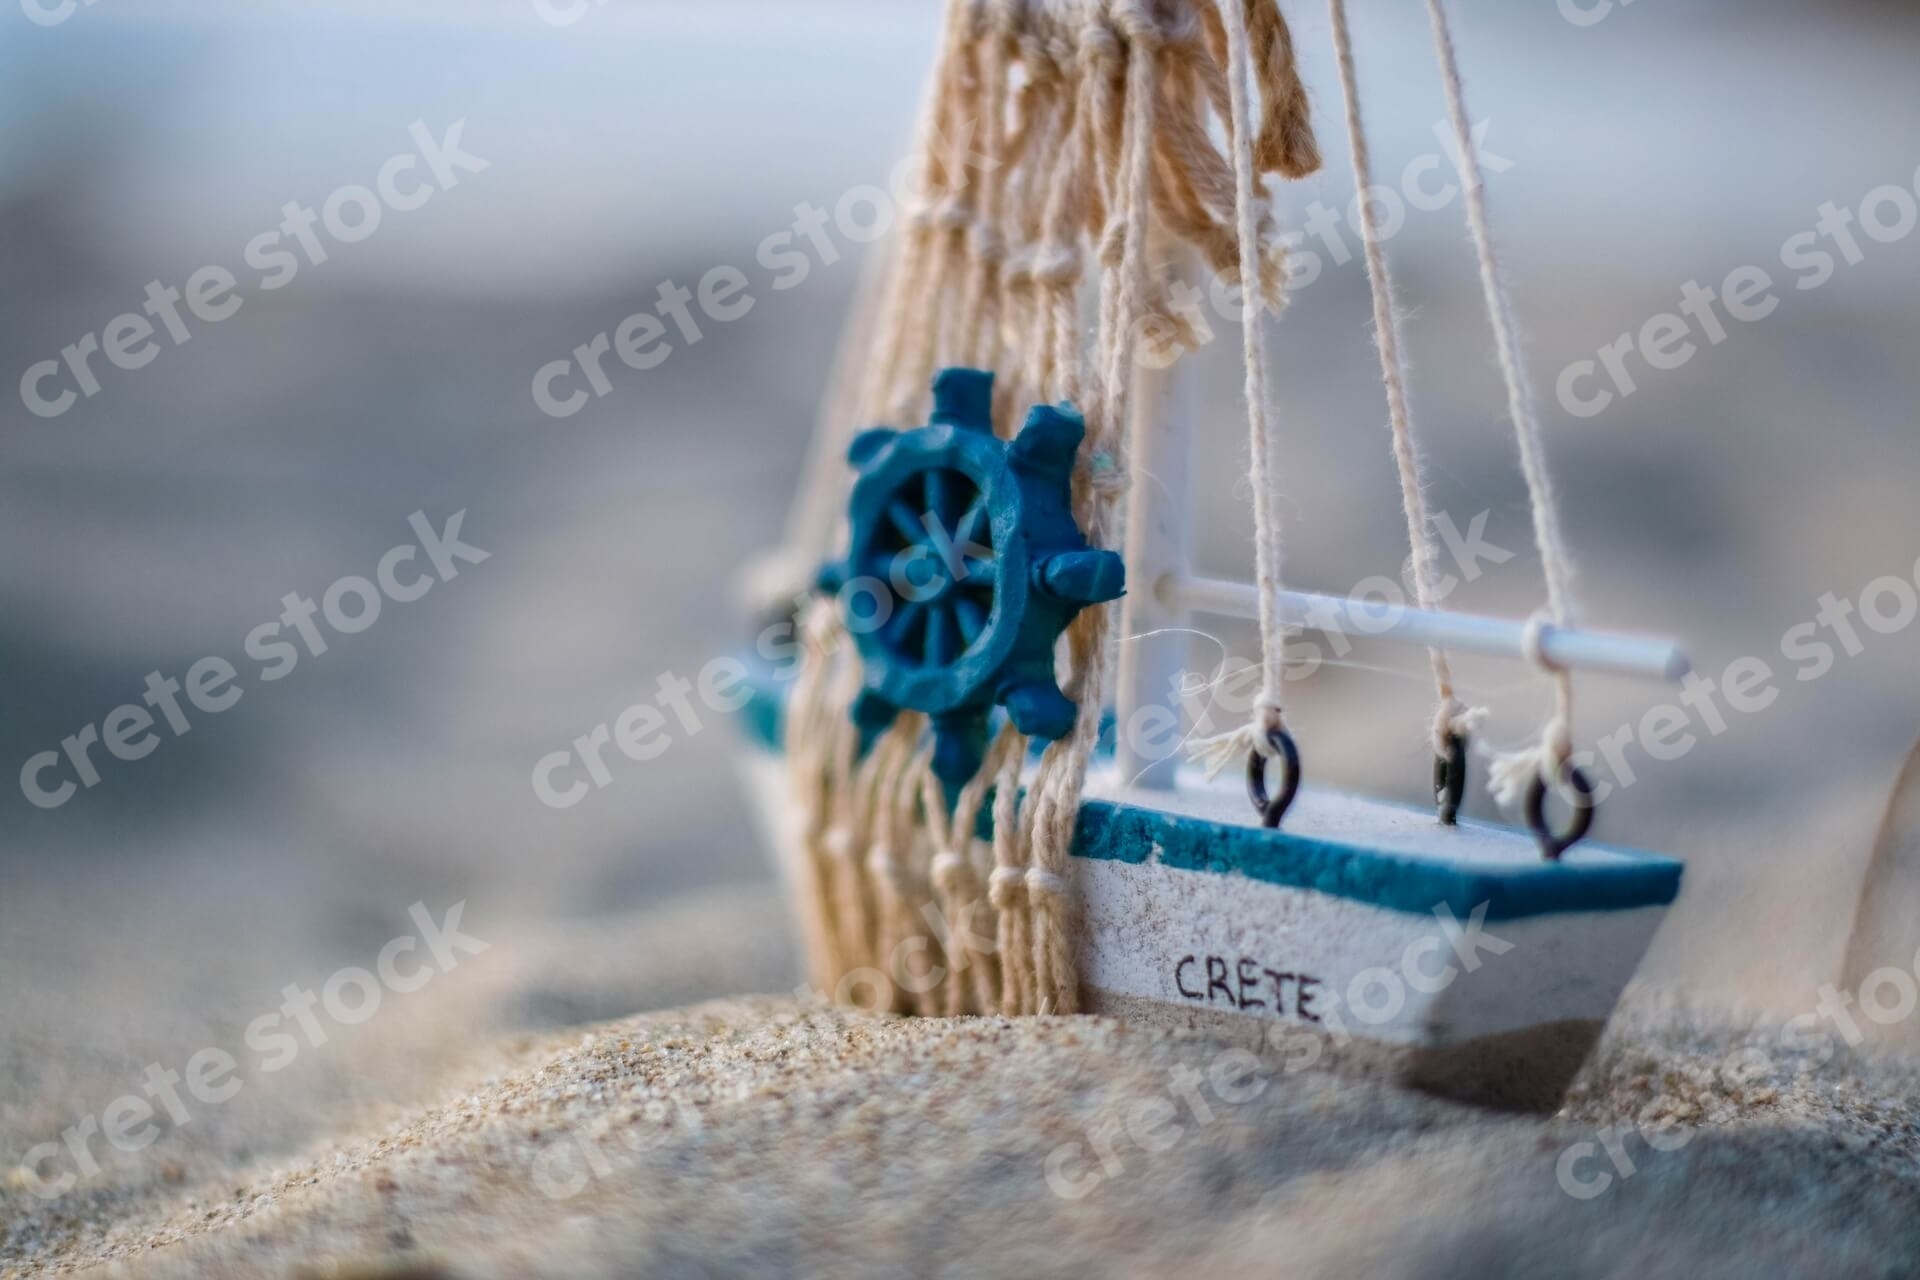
[
  {"x": 1573, "y": 648},
  {"x": 1163, "y": 595}
]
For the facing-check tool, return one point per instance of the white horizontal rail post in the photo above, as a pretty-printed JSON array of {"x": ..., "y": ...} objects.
[{"x": 1575, "y": 649}]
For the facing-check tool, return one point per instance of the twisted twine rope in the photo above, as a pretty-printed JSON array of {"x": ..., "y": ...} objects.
[
  {"x": 1451, "y": 716},
  {"x": 1511, "y": 774},
  {"x": 1093, "y": 117}
]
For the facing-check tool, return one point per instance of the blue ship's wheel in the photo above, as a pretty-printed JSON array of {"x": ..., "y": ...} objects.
[
  {"x": 937, "y": 533},
  {"x": 964, "y": 565}
]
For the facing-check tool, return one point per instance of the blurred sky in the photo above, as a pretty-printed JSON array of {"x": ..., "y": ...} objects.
[{"x": 646, "y": 123}]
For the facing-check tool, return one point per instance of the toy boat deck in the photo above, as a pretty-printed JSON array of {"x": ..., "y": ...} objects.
[{"x": 1361, "y": 935}]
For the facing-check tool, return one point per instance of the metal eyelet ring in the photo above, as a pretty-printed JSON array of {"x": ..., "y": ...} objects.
[
  {"x": 1274, "y": 809},
  {"x": 1450, "y": 779},
  {"x": 1553, "y": 844}
]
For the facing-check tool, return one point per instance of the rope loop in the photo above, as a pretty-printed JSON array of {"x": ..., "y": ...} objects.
[
  {"x": 1016, "y": 269},
  {"x": 1182, "y": 31},
  {"x": 1044, "y": 886},
  {"x": 1450, "y": 779},
  {"x": 1006, "y": 888},
  {"x": 838, "y": 842},
  {"x": 1057, "y": 264},
  {"x": 986, "y": 243},
  {"x": 1007, "y": 17},
  {"x": 1136, "y": 21},
  {"x": 1533, "y": 643},
  {"x": 952, "y": 213},
  {"x": 1037, "y": 56},
  {"x": 1099, "y": 46},
  {"x": 1555, "y": 843},
  {"x": 882, "y": 865},
  {"x": 1278, "y": 743},
  {"x": 950, "y": 872},
  {"x": 1269, "y": 718}
]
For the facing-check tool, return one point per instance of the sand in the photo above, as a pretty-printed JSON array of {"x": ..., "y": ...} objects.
[
  {"x": 761, "y": 1136},
  {"x": 764, "y": 1136}
]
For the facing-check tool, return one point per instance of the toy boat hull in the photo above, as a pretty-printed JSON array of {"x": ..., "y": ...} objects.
[
  {"x": 1362, "y": 935},
  {"x": 1369, "y": 974}
]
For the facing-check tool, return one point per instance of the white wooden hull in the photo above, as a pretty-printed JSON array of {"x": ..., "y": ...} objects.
[{"x": 1451, "y": 959}]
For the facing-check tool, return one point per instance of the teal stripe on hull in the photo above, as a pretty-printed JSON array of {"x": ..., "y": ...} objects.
[
  {"x": 1602, "y": 880},
  {"x": 1396, "y": 882}
]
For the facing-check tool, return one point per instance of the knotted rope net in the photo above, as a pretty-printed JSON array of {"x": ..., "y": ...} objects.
[{"x": 1067, "y": 152}]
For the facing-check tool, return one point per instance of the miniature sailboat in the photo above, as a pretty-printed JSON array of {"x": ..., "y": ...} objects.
[{"x": 968, "y": 826}]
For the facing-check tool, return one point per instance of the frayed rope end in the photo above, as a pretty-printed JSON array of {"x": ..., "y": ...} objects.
[
  {"x": 1510, "y": 773},
  {"x": 1222, "y": 749}
]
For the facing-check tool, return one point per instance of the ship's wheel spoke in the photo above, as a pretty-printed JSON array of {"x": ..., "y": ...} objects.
[
  {"x": 941, "y": 647},
  {"x": 934, "y": 513},
  {"x": 903, "y": 626},
  {"x": 973, "y": 525},
  {"x": 907, "y": 521},
  {"x": 971, "y": 616}
]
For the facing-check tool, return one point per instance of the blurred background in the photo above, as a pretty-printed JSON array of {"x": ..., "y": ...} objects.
[{"x": 162, "y": 519}]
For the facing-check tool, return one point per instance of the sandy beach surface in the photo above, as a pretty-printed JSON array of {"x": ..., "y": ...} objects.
[{"x": 770, "y": 1136}]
